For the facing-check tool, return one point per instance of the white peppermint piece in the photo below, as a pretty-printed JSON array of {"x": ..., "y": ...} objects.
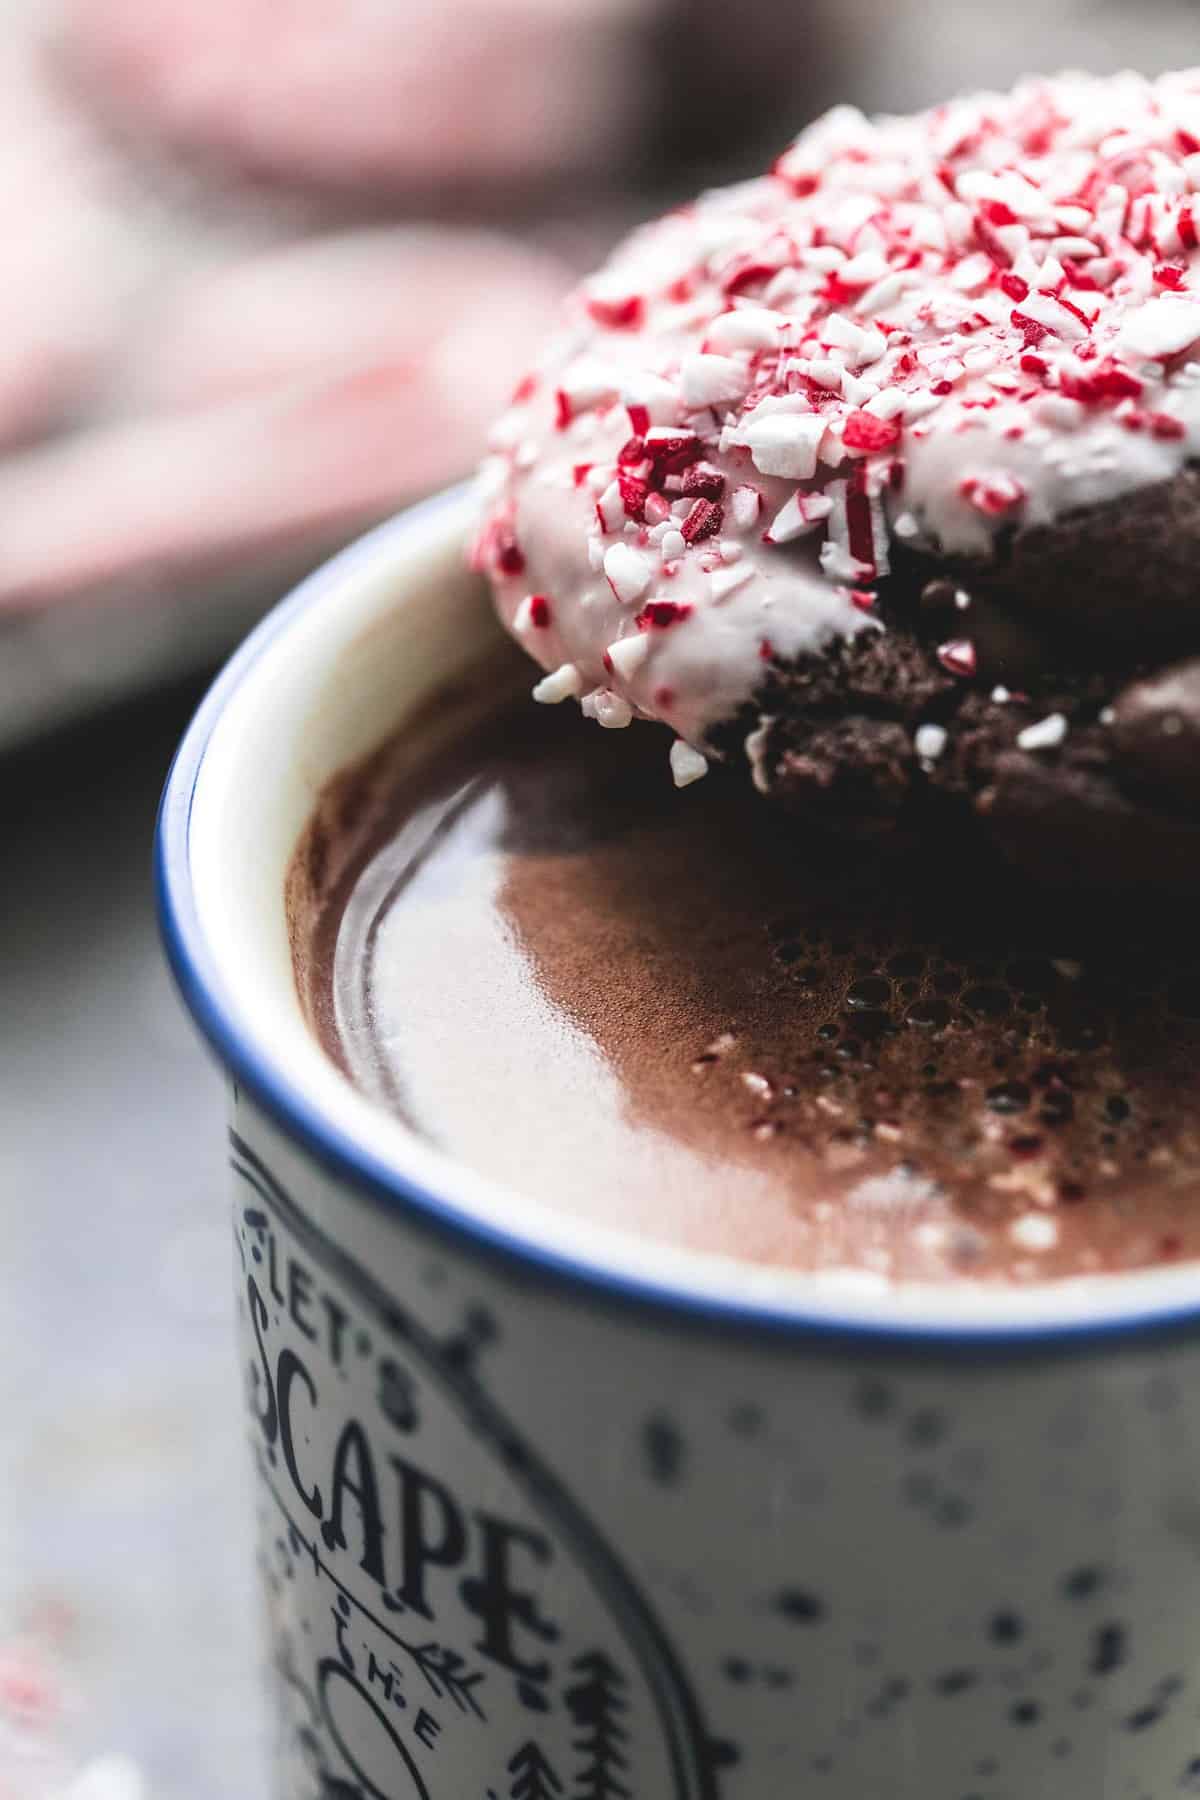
[
  {"x": 783, "y": 443},
  {"x": 588, "y": 383},
  {"x": 821, "y": 369},
  {"x": 660, "y": 398},
  {"x": 1074, "y": 247},
  {"x": 610, "y": 508},
  {"x": 929, "y": 741},
  {"x": 862, "y": 270},
  {"x": 826, "y": 257},
  {"x": 1162, "y": 327},
  {"x": 972, "y": 274},
  {"x": 1047, "y": 734},
  {"x": 843, "y": 333},
  {"x": 887, "y": 404},
  {"x": 563, "y": 684},
  {"x": 712, "y": 381},
  {"x": 610, "y": 710},
  {"x": 687, "y": 765},
  {"x": 791, "y": 521},
  {"x": 627, "y": 654},
  {"x": 747, "y": 328},
  {"x": 629, "y": 573},
  {"x": 858, "y": 389},
  {"x": 884, "y": 293}
]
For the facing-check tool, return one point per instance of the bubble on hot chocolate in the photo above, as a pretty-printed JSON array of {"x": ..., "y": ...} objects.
[{"x": 914, "y": 343}]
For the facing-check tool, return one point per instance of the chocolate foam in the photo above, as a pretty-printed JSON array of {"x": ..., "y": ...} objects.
[{"x": 658, "y": 1011}]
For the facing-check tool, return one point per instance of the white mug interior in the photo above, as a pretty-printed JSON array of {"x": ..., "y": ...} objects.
[{"x": 334, "y": 671}]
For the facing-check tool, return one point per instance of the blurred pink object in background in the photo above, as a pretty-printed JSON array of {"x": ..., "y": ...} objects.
[
  {"x": 263, "y": 411},
  {"x": 280, "y": 403},
  {"x": 361, "y": 94},
  {"x": 68, "y": 268}
]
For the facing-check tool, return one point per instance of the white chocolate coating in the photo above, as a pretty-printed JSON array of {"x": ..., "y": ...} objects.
[{"x": 930, "y": 328}]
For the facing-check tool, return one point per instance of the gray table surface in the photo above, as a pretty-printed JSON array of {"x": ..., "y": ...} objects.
[{"x": 124, "y": 1507}]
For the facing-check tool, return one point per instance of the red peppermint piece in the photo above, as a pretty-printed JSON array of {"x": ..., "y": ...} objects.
[
  {"x": 748, "y": 275},
  {"x": 639, "y": 418},
  {"x": 581, "y": 472},
  {"x": 704, "y": 480},
  {"x": 993, "y": 498},
  {"x": 1101, "y": 386},
  {"x": 633, "y": 490},
  {"x": 623, "y": 314},
  {"x": 1013, "y": 286},
  {"x": 660, "y": 615},
  {"x": 802, "y": 183},
  {"x": 562, "y": 409},
  {"x": 863, "y": 599},
  {"x": 998, "y": 212},
  {"x": 1163, "y": 425},
  {"x": 958, "y": 657},
  {"x": 540, "y": 611},
  {"x": 1034, "y": 331},
  {"x": 1185, "y": 224},
  {"x": 633, "y": 450},
  {"x": 704, "y": 521},
  {"x": 672, "y": 453},
  {"x": 1170, "y": 275},
  {"x": 863, "y": 431},
  {"x": 509, "y": 557},
  {"x": 859, "y": 524}
]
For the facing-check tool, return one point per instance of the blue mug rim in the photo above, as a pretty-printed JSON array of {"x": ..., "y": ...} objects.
[{"x": 215, "y": 1015}]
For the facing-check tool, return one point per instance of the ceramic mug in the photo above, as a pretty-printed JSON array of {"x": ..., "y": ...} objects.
[{"x": 552, "y": 1513}]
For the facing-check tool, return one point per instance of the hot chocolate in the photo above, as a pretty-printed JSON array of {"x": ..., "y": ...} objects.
[{"x": 654, "y": 1010}]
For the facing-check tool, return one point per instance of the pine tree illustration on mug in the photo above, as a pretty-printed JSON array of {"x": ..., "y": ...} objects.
[
  {"x": 595, "y": 1702},
  {"x": 533, "y": 1778}
]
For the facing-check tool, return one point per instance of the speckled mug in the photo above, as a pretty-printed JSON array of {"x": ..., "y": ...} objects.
[{"x": 551, "y": 1513}]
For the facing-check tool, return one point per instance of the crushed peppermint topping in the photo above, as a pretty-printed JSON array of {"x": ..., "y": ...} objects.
[
  {"x": 1047, "y": 734},
  {"x": 564, "y": 683},
  {"x": 929, "y": 741},
  {"x": 687, "y": 765},
  {"x": 608, "y": 709},
  {"x": 937, "y": 329}
]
